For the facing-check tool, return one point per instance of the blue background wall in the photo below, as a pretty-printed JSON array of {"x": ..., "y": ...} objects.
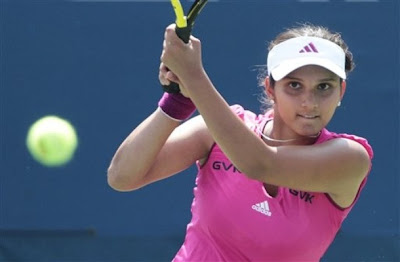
[{"x": 95, "y": 63}]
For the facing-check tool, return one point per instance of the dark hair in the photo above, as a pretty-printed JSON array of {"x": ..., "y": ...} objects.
[{"x": 309, "y": 30}]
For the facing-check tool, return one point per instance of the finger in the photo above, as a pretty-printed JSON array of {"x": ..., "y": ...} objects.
[
  {"x": 162, "y": 75},
  {"x": 193, "y": 38},
  {"x": 162, "y": 55},
  {"x": 171, "y": 28},
  {"x": 169, "y": 31},
  {"x": 163, "y": 68},
  {"x": 172, "y": 77},
  {"x": 163, "y": 80},
  {"x": 170, "y": 35},
  {"x": 166, "y": 44},
  {"x": 195, "y": 41}
]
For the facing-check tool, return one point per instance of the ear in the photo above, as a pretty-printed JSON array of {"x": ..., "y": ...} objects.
[
  {"x": 269, "y": 89},
  {"x": 342, "y": 89}
]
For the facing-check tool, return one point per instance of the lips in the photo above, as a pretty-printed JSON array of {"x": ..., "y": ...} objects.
[{"x": 308, "y": 116}]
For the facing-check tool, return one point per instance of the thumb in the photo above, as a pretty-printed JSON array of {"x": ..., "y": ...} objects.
[{"x": 196, "y": 43}]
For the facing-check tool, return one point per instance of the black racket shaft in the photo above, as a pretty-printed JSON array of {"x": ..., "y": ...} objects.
[
  {"x": 195, "y": 9},
  {"x": 184, "y": 34}
]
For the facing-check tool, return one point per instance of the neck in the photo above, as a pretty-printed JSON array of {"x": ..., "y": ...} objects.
[{"x": 275, "y": 141}]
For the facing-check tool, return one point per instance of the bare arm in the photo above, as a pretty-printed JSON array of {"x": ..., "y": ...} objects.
[{"x": 156, "y": 149}]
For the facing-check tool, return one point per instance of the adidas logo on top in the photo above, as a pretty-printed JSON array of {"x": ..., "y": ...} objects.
[
  {"x": 263, "y": 208},
  {"x": 310, "y": 48}
]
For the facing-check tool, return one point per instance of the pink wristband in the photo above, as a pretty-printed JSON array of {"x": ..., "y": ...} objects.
[{"x": 176, "y": 106}]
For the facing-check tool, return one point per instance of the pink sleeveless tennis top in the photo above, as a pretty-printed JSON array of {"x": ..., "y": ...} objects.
[{"x": 235, "y": 219}]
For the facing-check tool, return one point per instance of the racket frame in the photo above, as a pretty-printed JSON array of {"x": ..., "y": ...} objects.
[{"x": 184, "y": 25}]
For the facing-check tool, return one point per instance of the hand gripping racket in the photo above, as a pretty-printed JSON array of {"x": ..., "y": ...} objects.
[{"x": 184, "y": 26}]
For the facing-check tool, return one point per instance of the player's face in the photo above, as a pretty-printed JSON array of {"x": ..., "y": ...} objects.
[{"x": 306, "y": 99}]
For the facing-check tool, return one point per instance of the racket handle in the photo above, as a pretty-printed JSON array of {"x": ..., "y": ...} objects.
[
  {"x": 172, "y": 88},
  {"x": 184, "y": 34}
]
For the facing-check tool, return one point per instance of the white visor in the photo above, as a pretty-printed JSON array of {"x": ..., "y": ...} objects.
[{"x": 305, "y": 50}]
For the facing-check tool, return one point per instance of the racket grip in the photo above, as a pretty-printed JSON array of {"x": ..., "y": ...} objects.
[
  {"x": 184, "y": 34},
  {"x": 172, "y": 88}
]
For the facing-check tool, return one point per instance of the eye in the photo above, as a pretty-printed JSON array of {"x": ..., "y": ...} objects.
[
  {"x": 294, "y": 85},
  {"x": 324, "y": 86}
]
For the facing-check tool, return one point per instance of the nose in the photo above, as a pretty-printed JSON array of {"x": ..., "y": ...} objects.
[{"x": 309, "y": 100}]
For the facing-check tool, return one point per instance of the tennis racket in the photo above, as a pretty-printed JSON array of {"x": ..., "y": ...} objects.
[{"x": 184, "y": 26}]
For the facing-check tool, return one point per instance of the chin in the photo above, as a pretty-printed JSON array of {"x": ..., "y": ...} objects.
[{"x": 309, "y": 131}]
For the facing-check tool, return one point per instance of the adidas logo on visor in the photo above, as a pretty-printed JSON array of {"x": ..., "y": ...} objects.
[{"x": 310, "y": 48}]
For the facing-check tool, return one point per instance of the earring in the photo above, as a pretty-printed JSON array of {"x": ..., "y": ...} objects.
[{"x": 338, "y": 104}]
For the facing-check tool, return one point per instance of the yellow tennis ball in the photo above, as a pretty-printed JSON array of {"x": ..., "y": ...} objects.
[{"x": 52, "y": 141}]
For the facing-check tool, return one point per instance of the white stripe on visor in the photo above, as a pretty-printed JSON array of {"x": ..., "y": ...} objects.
[{"x": 296, "y": 52}]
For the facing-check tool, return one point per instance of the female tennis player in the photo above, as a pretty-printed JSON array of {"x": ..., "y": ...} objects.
[{"x": 274, "y": 186}]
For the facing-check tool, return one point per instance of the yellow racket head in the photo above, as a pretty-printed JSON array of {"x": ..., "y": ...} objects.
[{"x": 180, "y": 15}]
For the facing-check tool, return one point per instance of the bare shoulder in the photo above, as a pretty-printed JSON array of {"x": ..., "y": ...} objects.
[
  {"x": 349, "y": 151},
  {"x": 348, "y": 147},
  {"x": 347, "y": 157},
  {"x": 353, "y": 161}
]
